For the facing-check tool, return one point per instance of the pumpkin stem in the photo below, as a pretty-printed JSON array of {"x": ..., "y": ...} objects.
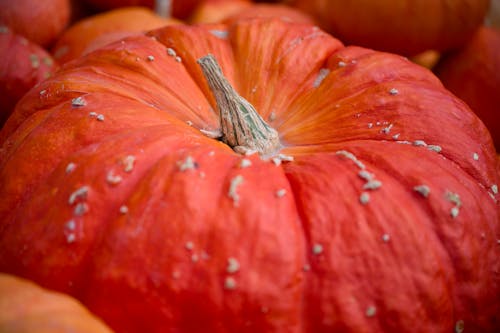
[
  {"x": 163, "y": 8},
  {"x": 243, "y": 129}
]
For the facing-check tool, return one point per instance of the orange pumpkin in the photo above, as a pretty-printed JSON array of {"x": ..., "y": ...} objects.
[
  {"x": 212, "y": 11},
  {"x": 100, "y": 29},
  {"x": 39, "y": 21},
  {"x": 406, "y": 27},
  {"x": 128, "y": 180},
  {"x": 27, "y": 308}
]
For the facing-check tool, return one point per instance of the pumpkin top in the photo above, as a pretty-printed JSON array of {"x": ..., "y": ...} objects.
[{"x": 385, "y": 184}]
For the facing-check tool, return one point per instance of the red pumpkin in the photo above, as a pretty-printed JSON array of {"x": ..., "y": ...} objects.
[
  {"x": 473, "y": 74},
  {"x": 28, "y": 308},
  {"x": 406, "y": 27},
  {"x": 22, "y": 65},
  {"x": 100, "y": 29},
  {"x": 178, "y": 8},
  {"x": 39, "y": 21},
  {"x": 371, "y": 207}
]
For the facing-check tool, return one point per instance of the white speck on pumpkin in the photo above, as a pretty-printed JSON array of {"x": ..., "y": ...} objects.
[
  {"x": 233, "y": 265},
  {"x": 494, "y": 188},
  {"x": 435, "y": 148},
  {"x": 233, "y": 187},
  {"x": 459, "y": 326},
  {"x": 70, "y": 225},
  {"x": 222, "y": 34},
  {"x": 245, "y": 163},
  {"x": 280, "y": 193},
  {"x": 341, "y": 64},
  {"x": 272, "y": 116},
  {"x": 189, "y": 246},
  {"x": 363, "y": 174},
  {"x": 387, "y": 129},
  {"x": 178, "y": 59},
  {"x": 176, "y": 275},
  {"x": 423, "y": 190},
  {"x": 419, "y": 143},
  {"x": 70, "y": 167},
  {"x": 475, "y": 156},
  {"x": 150, "y": 58},
  {"x": 454, "y": 211},
  {"x": 80, "y": 209},
  {"x": 189, "y": 123},
  {"x": 93, "y": 114},
  {"x": 35, "y": 61},
  {"x": 195, "y": 257},
  {"x": 370, "y": 125},
  {"x": 306, "y": 268},
  {"x": 454, "y": 198},
  {"x": 128, "y": 163},
  {"x": 171, "y": 52},
  {"x": 123, "y": 209},
  {"x": 351, "y": 156},
  {"x": 187, "y": 164},
  {"x": 317, "y": 249},
  {"x": 229, "y": 283},
  {"x": 113, "y": 179},
  {"x": 372, "y": 184},
  {"x": 78, "y": 102},
  {"x": 100, "y": 117},
  {"x": 70, "y": 238},
  {"x": 323, "y": 73},
  {"x": 393, "y": 91},
  {"x": 364, "y": 198},
  {"x": 386, "y": 238},
  {"x": 396, "y": 136},
  {"x": 80, "y": 193},
  {"x": 371, "y": 311},
  {"x": 43, "y": 92}
]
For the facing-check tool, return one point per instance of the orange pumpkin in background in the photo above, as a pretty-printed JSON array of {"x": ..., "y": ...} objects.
[
  {"x": 23, "y": 64},
  {"x": 213, "y": 11},
  {"x": 177, "y": 8},
  {"x": 39, "y": 21},
  {"x": 357, "y": 194},
  {"x": 473, "y": 74},
  {"x": 103, "y": 28},
  {"x": 406, "y": 27},
  {"x": 28, "y": 308}
]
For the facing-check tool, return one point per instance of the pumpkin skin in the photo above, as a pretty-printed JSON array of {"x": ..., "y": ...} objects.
[
  {"x": 405, "y": 27},
  {"x": 111, "y": 193},
  {"x": 22, "y": 65},
  {"x": 100, "y": 29},
  {"x": 28, "y": 308},
  {"x": 473, "y": 74},
  {"x": 39, "y": 21}
]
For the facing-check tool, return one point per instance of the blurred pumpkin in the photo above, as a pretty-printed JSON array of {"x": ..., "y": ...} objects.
[
  {"x": 100, "y": 29},
  {"x": 213, "y": 11},
  {"x": 406, "y": 27},
  {"x": 473, "y": 74},
  {"x": 177, "y": 8},
  {"x": 27, "y": 308},
  {"x": 39, "y": 21},
  {"x": 22, "y": 65},
  {"x": 130, "y": 180}
]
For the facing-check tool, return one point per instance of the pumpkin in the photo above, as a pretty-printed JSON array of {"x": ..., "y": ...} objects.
[
  {"x": 213, "y": 11},
  {"x": 39, "y": 21},
  {"x": 405, "y": 27},
  {"x": 473, "y": 74},
  {"x": 28, "y": 308},
  {"x": 177, "y": 8},
  {"x": 22, "y": 65},
  {"x": 253, "y": 177},
  {"x": 100, "y": 29}
]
